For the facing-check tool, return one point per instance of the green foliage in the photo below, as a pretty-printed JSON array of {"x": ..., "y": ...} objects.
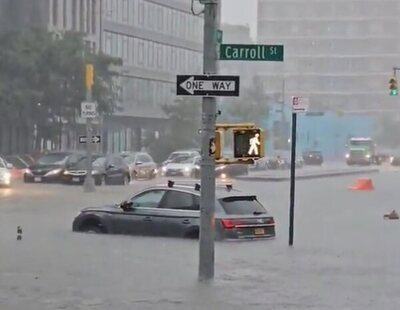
[
  {"x": 252, "y": 105},
  {"x": 42, "y": 79},
  {"x": 183, "y": 131}
]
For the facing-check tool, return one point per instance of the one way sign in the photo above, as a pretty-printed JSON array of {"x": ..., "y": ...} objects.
[
  {"x": 95, "y": 139},
  {"x": 208, "y": 85}
]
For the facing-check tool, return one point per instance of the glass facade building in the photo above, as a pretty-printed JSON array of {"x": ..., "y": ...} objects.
[{"x": 338, "y": 53}]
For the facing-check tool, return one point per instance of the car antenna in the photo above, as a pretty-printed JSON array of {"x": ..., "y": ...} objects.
[
  {"x": 197, "y": 187},
  {"x": 171, "y": 183}
]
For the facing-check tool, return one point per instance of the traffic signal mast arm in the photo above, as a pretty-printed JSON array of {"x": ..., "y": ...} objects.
[{"x": 235, "y": 126}]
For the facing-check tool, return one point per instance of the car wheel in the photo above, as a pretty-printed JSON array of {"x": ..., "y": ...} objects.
[
  {"x": 92, "y": 229},
  {"x": 99, "y": 181},
  {"x": 125, "y": 180}
]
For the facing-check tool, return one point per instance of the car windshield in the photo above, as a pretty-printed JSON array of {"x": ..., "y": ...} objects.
[
  {"x": 245, "y": 205},
  {"x": 177, "y": 154},
  {"x": 128, "y": 158},
  {"x": 53, "y": 159},
  {"x": 99, "y": 162},
  {"x": 183, "y": 160}
]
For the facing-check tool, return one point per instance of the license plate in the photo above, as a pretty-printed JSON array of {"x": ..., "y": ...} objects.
[
  {"x": 259, "y": 231},
  {"x": 37, "y": 179},
  {"x": 75, "y": 179}
]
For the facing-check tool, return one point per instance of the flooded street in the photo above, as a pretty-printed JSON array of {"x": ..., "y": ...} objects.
[{"x": 345, "y": 256}]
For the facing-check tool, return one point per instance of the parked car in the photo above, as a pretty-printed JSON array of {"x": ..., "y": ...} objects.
[
  {"x": 173, "y": 210},
  {"x": 313, "y": 158},
  {"x": 48, "y": 168},
  {"x": 284, "y": 163},
  {"x": 19, "y": 165},
  {"x": 5, "y": 173},
  {"x": 113, "y": 170},
  {"x": 231, "y": 170},
  {"x": 395, "y": 160},
  {"x": 141, "y": 165},
  {"x": 184, "y": 165},
  {"x": 76, "y": 170},
  {"x": 187, "y": 153}
]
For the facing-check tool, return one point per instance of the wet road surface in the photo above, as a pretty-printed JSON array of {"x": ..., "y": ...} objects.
[{"x": 345, "y": 255}]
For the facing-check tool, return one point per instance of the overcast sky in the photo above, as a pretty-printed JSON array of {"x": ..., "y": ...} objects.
[{"x": 240, "y": 12}]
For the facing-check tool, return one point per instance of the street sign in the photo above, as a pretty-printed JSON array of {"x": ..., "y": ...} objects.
[
  {"x": 88, "y": 110},
  {"x": 299, "y": 104},
  {"x": 208, "y": 85},
  {"x": 251, "y": 52},
  {"x": 95, "y": 139}
]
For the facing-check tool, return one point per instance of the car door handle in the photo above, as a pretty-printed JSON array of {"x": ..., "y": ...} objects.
[
  {"x": 148, "y": 219},
  {"x": 186, "y": 221}
]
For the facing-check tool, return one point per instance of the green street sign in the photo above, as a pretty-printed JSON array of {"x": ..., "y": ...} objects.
[{"x": 248, "y": 52}]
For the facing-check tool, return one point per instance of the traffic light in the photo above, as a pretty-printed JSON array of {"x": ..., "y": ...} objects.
[
  {"x": 89, "y": 76},
  {"x": 248, "y": 143},
  {"x": 393, "y": 86}
]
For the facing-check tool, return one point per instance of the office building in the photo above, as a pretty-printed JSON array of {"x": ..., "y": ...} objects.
[{"x": 338, "y": 53}]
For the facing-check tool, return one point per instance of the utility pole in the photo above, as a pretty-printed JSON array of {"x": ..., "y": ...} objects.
[
  {"x": 292, "y": 178},
  {"x": 209, "y": 113},
  {"x": 88, "y": 185}
]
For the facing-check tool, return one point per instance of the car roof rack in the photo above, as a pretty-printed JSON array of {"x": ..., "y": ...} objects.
[{"x": 197, "y": 186}]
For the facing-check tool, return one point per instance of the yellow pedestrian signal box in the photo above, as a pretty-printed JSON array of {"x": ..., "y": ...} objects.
[
  {"x": 393, "y": 86},
  {"x": 248, "y": 143}
]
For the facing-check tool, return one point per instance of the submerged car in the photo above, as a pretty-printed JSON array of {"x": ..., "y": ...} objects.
[
  {"x": 141, "y": 165},
  {"x": 313, "y": 158},
  {"x": 5, "y": 173},
  {"x": 184, "y": 166},
  {"x": 174, "y": 210},
  {"x": 48, "y": 168}
]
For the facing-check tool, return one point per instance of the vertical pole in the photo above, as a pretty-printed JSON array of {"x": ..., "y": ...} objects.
[
  {"x": 209, "y": 110},
  {"x": 88, "y": 185},
  {"x": 292, "y": 178}
]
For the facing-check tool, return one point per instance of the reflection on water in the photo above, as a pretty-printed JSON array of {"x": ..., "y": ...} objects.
[{"x": 6, "y": 192}]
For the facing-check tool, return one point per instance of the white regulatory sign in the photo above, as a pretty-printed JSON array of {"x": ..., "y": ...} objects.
[
  {"x": 299, "y": 104},
  {"x": 89, "y": 110}
]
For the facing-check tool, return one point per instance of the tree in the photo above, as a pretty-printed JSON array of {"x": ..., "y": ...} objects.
[
  {"x": 42, "y": 80},
  {"x": 184, "y": 117},
  {"x": 252, "y": 105}
]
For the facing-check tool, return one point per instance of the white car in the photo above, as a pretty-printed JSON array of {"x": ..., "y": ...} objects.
[
  {"x": 184, "y": 166},
  {"x": 173, "y": 155},
  {"x": 5, "y": 173}
]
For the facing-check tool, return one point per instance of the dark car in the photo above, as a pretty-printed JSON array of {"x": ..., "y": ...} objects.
[
  {"x": 173, "y": 210},
  {"x": 313, "y": 158},
  {"x": 141, "y": 165},
  {"x": 231, "y": 170},
  {"x": 112, "y": 169},
  {"x": 48, "y": 168},
  {"x": 76, "y": 170},
  {"x": 395, "y": 160}
]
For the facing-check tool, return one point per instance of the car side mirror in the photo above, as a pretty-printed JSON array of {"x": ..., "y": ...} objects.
[
  {"x": 126, "y": 205},
  {"x": 9, "y": 166}
]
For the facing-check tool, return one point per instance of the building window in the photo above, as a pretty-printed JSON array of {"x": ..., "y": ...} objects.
[
  {"x": 82, "y": 16},
  {"x": 140, "y": 52},
  {"x": 150, "y": 55},
  {"x": 65, "y": 20},
  {"x": 125, "y": 11},
  {"x": 94, "y": 19},
  {"x": 74, "y": 14},
  {"x": 125, "y": 49},
  {"x": 88, "y": 15},
  {"x": 159, "y": 56},
  {"x": 160, "y": 18},
  {"x": 141, "y": 12},
  {"x": 55, "y": 12}
]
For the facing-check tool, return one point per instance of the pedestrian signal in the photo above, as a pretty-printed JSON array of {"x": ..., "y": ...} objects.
[{"x": 248, "y": 143}]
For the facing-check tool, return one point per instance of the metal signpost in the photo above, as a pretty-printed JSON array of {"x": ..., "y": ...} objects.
[
  {"x": 299, "y": 105},
  {"x": 89, "y": 112}
]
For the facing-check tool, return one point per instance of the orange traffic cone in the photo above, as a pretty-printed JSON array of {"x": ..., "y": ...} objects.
[
  {"x": 363, "y": 184},
  {"x": 391, "y": 216}
]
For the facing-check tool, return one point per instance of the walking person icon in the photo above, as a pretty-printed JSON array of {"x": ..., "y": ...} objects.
[{"x": 254, "y": 143}]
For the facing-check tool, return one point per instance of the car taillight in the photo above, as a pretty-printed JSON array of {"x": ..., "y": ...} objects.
[
  {"x": 227, "y": 223},
  {"x": 271, "y": 220}
]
